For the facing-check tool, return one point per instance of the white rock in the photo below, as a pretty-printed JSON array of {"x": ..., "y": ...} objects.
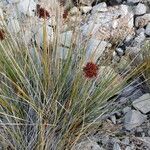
[
  {"x": 66, "y": 38},
  {"x": 113, "y": 119},
  {"x": 87, "y": 145},
  {"x": 133, "y": 1},
  {"x": 124, "y": 9},
  {"x": 133, "y": 119},
  {"x": 147, "y": 30},
  {"x": 27, "y": 36},
  {"x": 142, "y": 103},
  {"x": 116, "y": 147},
  {"x": 114, "y": 54},
  {"x": 101, "y": 7},
  {"x": 114, "y": 24},
  {"x": 85, "y": 2},
  {"x": 116, "y": 58},
  {"x": 1, "y": 14},
  {"x": 130, "y": 20},
  {"x": 119, "y": 51},
  {"x": 126, "y": 109},
  {"x": 126, "y": 141},
  {"x": 27, "y": 7},
  {"x": 85, "y": 9},
  {"x": 74, "y": 11},
  {"x": 139, "y": 39},
  {"x": 127, "y": 91},
  {"x": 140, "y": 9},
  {"x": 75, "y": 19},
  {"x": 96, "y": 48},
  {"x": 129, "y": 37},
  {"x": 141, "y": 21},
  {"x": 140, "y": 30},
  {"x": 146, "y": 141},
  {"x": 128, "y": 148},
  {"x": 13, "y": 25},
  {"x": 90, "y": 28}
]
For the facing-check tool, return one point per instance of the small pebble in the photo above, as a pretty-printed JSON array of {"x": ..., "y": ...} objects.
[
  {"x": 113, "y": 119},
  {"x": 120, "y": 51}
]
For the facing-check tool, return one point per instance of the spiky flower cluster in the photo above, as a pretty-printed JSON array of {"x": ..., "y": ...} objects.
[
  {"x": 2, "y": 34},
  {"x": 41, "y": 12},
  {"x": 90, "y": 70}
]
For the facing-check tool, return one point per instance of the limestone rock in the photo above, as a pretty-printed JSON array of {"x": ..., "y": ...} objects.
[
  {"x": 116, "y": 26},
  {"x": 126, "y": 109},
  {"x": 139, "y": 39},
  {"x": 96, "y": 48},
  {"x": 140, "y": 9},
  {"x": 133, "y": 119},
  {"x": 85, "y": 2},
  {"x": 113, "y": 119},
  {"x": 128, "y": 148},
  {"x": 116, "y": 147},
  {"x": 1, "y": 14},
  {"x": 101, "y": 7},
  {"x": 136, "y": 94},
  {"x": 85, "y": 9},
  {"x": 87, "y": 145},
  {"x": 74, "y": 11},
  {"x": 147, "y": 30},
  {"x": 27, "y": 7},
  {"x": 146, "y": 141},
  {"x": 127, "y": 91},
  {"x": 142, "y": 21},
  {"x": 139, "y": 31},
  {"x": 142, "y": 103},
  {"x": 133, "y": 1}
]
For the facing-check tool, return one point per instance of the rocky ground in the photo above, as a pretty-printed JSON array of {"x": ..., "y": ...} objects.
[{"x": 118, "y": 31}]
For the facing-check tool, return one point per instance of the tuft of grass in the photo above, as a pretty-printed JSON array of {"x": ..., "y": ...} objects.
[
  {"x": 47, "y": 102},
  {"x": 146, "y": 58}
]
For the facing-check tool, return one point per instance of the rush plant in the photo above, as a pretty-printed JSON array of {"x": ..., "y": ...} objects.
[{"x": 49, "y": 102}]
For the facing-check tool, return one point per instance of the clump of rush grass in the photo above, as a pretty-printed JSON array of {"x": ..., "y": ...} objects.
[
  {"x": 47, "y": 102},
  {"x": 146, "y": 57}
]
